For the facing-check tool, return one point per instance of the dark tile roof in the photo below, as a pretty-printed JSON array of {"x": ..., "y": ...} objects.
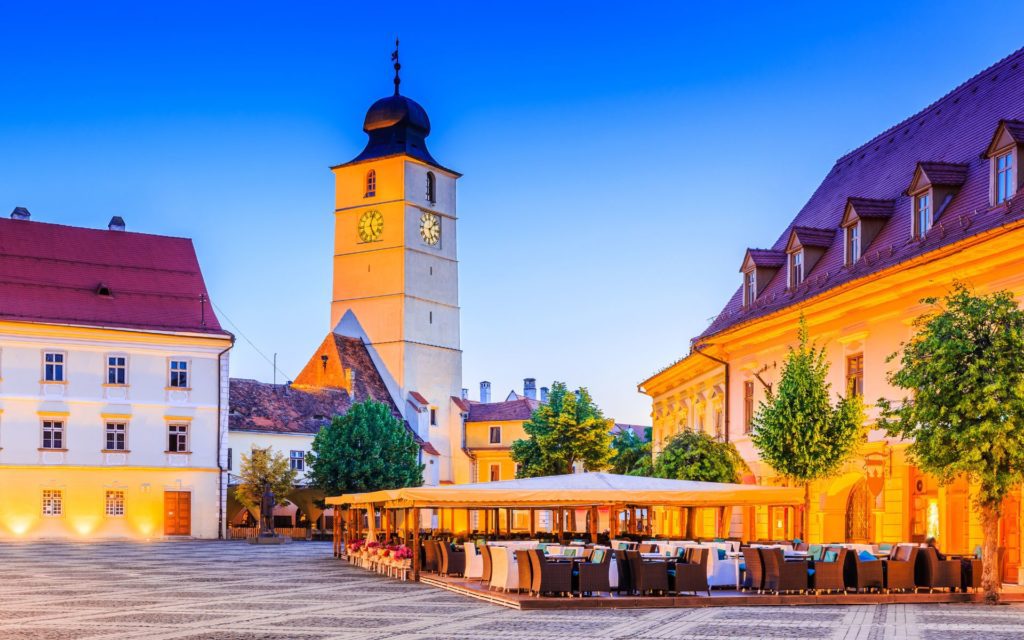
[
  {"x": 955, "y": 130},
  {"x": 810, "y": 237},
  {"x": 462, "y": 404},
  {"x": 870, "y": 208},
  {"x": 1016, "y": 130},
  {"x": 767, "y": 258},
  {"x": 53, "y": 273},
  {"x": 946, "y": 174},
  {"x": 520, "y": 409}
]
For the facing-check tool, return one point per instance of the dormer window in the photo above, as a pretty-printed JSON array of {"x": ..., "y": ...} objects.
[
  {"x": 796, "y": 268},
  {"x": 371, "y": 184},
  {"x": 1005, "y": 185},
  {"x": 1004, "y": 154},
  {"x": 852, "y": 244},
  {"x": 922, "y": 214},
  {"x": 749, "y": 288}
]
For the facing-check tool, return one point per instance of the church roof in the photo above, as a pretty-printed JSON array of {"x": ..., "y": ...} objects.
[
  {"x": 68, "y": 275},
  {"x": 949, "y": 138}
]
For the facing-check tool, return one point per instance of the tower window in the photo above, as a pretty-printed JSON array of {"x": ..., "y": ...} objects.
[
  {"x": 796, "y": 268},
  {"x": 1004, "y": 177},
  {"x": 852, "y": 244},
  {"x": 855, "y": 375},
  {"x": 922, "y": 214},
  {"x": 433, "y": 417},
  {"x": 431, "y": 187},
  {"x": 371, "y": 184}
]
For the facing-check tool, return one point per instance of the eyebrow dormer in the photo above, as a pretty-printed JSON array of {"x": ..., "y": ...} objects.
[
  {"x": 931, "y": 190},
  {"x": 805, "y": 247},
  {"x": 1004, "y": 153},
  {"x": 758, "y": 269},
  {"x": 863, "y": 218}
]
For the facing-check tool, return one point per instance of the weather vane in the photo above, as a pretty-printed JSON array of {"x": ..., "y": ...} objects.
[{"x": 398, "y": 66}]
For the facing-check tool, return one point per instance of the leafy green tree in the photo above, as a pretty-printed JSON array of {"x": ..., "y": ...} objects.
[
  {"x": 695, "y": 455},
  {"x": 797, "y": 429},
  {"x": 367, "y": 449},
  {"x": 262, "y": 469},
  {"x": 964, "y": 369},
  {"x": 632, "y": 454},
  {"x": 568, "y": 429}
]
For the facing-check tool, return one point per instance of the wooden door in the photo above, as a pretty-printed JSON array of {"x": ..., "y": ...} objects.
[
  {"x": 1010, "y": 537},
  {"x": 177, "y": 513}
]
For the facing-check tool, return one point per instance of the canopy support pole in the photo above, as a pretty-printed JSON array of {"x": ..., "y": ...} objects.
[
  {"x": 508, "y": 520},
  {"x": 416, "y": 545},
  {"x": 533, "y": 522},
  {"x": 593, "y": 524}
]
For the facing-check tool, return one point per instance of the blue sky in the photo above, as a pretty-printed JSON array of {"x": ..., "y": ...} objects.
[{"x": 617, "y": 161}]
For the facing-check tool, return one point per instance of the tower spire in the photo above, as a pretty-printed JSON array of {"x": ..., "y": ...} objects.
[{"x": 398, "y": 66}]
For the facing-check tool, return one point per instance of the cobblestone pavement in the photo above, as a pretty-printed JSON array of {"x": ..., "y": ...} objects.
[{"x": 234, "y": 591}]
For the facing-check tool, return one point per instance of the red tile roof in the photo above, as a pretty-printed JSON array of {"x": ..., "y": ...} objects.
[
  {"x": 429, "y": 449},
  {"x": 520, "y": 409},
  {"x": 956, "y": 130},
  {"x": 418, "y": 397},
  {"x": 51, "y": 273},
  {"x": 463, "y": 405}
]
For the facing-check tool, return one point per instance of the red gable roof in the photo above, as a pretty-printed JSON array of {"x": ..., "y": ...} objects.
[
  {"x": 520, "y": 409},
  {"x": 956, "y": 130},
  {"x": 52, "y": 273}
]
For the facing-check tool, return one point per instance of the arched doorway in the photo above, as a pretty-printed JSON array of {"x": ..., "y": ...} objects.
[{"x": 858, "y": 513}]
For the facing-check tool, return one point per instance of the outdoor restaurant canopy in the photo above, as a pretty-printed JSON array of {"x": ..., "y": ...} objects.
[{"x": 576, "y": 490}]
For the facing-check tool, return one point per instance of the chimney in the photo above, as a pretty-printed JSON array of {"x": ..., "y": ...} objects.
[
  {"x": 530, "y": 388},
  {"x": 116, "y": 224},
  {"x": 465, "y": 393},
  {"x": 20, "y": 213},
  {"x": 543, "y": 394},
  {"x": 485, "y": 392}
]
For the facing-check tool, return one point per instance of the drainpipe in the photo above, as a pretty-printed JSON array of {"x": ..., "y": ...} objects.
[
  {"x": 726, "y": 365},
  {"x": 221, "y": 504}
]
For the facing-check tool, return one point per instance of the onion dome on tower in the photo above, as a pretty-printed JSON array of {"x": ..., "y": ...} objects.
[{"x": 396, "y": 125}]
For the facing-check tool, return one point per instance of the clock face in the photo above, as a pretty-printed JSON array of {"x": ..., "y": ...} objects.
[
  {"x": 430, "y": 229},
  {"x": 371, "y": 226}
]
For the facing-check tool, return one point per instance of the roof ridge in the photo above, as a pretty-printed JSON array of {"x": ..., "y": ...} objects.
[
  {"x": 956, "y": 91},
  {"x": 104, "y": 231}
]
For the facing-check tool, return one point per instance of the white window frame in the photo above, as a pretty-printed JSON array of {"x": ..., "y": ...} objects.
[
  {"x": 108, "y": 432},
  {"x": 53, "y": 426},
  {"x": 297, "y": 463},
  {"x": 57, "y": 366},
  {"x": 929, "y": 202},
  {"x": 796, "y": 269},
  {"x": 490, "y": 434},
  {"x": 852, "y": 244},
  {"x": 1007, "y": 174},
  {"x": 186, "y": 370},
  {"x": 178, "y": 429},
  {"x": 114, "y": 500},
  {"x": 109, "y": 368},
  {"x": 370, "y": 184},
  {"x": 52, "y": 503},
  {"x": 749, "y": 287}
]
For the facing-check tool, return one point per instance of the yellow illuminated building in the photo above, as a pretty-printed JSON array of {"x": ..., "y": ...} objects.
[{"x": 929, "y": 202}]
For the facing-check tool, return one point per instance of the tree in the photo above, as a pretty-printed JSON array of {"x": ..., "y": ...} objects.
[
  {"x": 568, "y": 429},
  {"x": 695, "y": 455},
  {"x": 797, "y": 429},
  {"x": 964, "y": 369},
  {"x": 632, "y": 454},
  {"x": 261, "y": 470},
  {"x": 367, "y": 449}
]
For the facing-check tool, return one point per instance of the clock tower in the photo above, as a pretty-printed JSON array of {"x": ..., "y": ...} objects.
[{"x": 396, "y": 280}]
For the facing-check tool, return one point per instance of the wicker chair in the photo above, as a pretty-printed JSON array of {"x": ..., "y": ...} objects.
[
  {"x": 594, "y": 576},
  {"x": 525, "y": 571},
  {"x": 754, "y": 579},
  {"x": 453, "y": 563},
  {"x": 485, "y": 553},
  {"x": 780, "y": 575},
  {"x": 549, "y": 577},
  {"x": 899, "y": 568},
  {"x": 647, "y": 576},
  {"x": 828, "y": 576},
  {"x": 862, "y": 575},
  {"x": 691, "y": 574},
  {"x": 931, "y": 573},
  {"x": 431, "y": 561},
  {"x": 625, "y": 575}
]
